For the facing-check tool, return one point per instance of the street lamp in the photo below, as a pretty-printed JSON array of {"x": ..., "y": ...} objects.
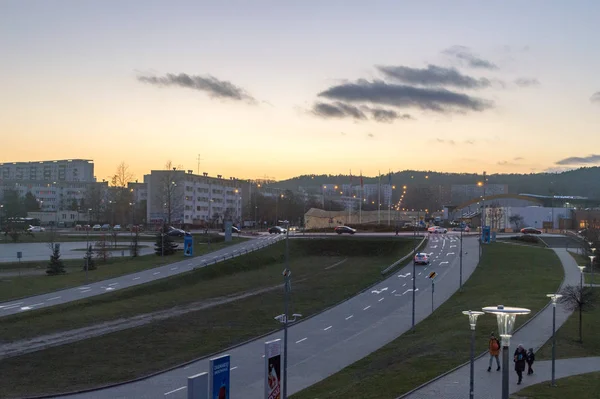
[
  {"x": 506, "y": 317},
  {"x": 554, "y": 298},
  {"x": 592, "y": 257},
  {"x": 581, "y": 268},
  {"x": 473, "y": 315}
]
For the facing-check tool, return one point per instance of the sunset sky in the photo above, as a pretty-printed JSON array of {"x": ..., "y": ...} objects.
[{"x": 282, "y": 88}]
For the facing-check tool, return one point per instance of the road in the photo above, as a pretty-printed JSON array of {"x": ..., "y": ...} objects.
[
  {"x": 332, "y": 340},
  {"x": 131, "y": 280}
]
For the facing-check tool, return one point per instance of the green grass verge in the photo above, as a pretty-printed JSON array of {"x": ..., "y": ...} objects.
[
  {"x": 567, "y": 337},
  {"x": 584, "y": 386},
  {"x": 18, "y": 287},
  {"x": 580, "y": 259},
  {"x": 508, "y": 274},
  {"x": 49, "y": 236},
  {"x": 138, "y": 351}
]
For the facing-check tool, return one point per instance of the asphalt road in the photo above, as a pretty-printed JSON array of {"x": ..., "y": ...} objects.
[
  {"x": 130, "y": 280},
  {"x": 332, "y": 340}
]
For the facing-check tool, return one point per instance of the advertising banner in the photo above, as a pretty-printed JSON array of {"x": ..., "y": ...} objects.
[
  {"x": 219, "y": 378},
  {"x": 188, "y": 246},
  {"x": 485, "y": 235},
  {"x": 273, "y": 369},
  {"x": 227, "y": 224}
]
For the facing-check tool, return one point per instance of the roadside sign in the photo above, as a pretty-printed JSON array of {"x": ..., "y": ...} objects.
[
  {"x": 188, "y": 246},
  {"x": 19, "y": 255},
  {"x": 219, "y": 385},
  {"x": 273, "y": 369},
  {"x": 432, "y": 275}
]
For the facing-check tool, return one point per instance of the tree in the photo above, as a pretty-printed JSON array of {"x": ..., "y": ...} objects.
[
  {"x": 170, "y": 192},
  {"x": 88, "y": 259},
  {"x": 164, "y": 244},
  {"x": 95, "y": 200},
  {"x": 102, "y": 249},
  {"x": 13, "y": 207},
  {"x": 580, "y": 299},
  {"x": 122, "y": 176},
  {"x": 56, "y": 265},
  {"x": 30, "y": 203},
  {"x": 495, "y": 214},
  {"x": 517, "y": 220}
]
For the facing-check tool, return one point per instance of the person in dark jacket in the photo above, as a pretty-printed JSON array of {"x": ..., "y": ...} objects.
[
  {"x": 530, "y": 357},
  {"x": 520, "y": 359}
]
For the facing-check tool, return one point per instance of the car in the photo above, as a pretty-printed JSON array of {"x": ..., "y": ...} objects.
[
  {"x": 105, "y": 227},
  {"x": 530, "y": 230},
  {"x": 87, "y": 227},
  {"x": 437, "y": 230},
  {"x": 173, "y": 232},
  {"x": 421, "y": 258},
  {"x": 117, "y": 227},
  {"x": 234, "y": 229},
  {"x": 36, "y": 229},
  {"x": 97, "y": 227},
  {"x": 344, "y": 229},
  {"x": 277, "y": 230}
]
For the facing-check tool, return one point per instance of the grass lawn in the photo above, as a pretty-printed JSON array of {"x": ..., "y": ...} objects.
[
  {"x": 18, "y": 287},
  {"x": 49, "y": 235},
  {"x": 567, "y": 337},
  {"x": 508, "y": 274},
  {"x": 581, "y": 260},
  {"x": 169, "y": 342},
  {"x": 584, "y": 386}
]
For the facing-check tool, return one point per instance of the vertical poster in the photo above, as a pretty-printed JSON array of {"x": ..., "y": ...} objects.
[
  {"x": 227, "y": 225},
  {"x": 188, "y": 246},
  {"x": 219, "y": 378},
  {"x": 273, "y": 369}
]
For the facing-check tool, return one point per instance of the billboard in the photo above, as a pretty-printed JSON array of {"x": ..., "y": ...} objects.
[
  {"x": 273, "y": 369},
  {"x": 188, "y": 246},
  {"x": 485, "y": 235},
  {"x": 219, "y": 378}
]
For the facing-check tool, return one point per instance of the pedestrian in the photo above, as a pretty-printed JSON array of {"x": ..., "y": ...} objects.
[
  {"x": 530, "y": 357},
  {"x": 494, "y": 349},
  {"x": 520, "y": 358}
]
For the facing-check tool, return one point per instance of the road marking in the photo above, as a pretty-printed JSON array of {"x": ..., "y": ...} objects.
[
  {"x": 11, "y": 305},
  {"x": 52, "y": 299},
  {"x": 443, "y": 263},
  {"x": 404, "y": 285},
  {"x": 155, "y": 273},
  {"x": 136, "y": 278},
  {"x": 450, "y": 253},
  {"x": 175, "y": 268},
  {"x": 81, "y": 292},
  {"x": 419, "y": 273},
  {"x": 410, "y": 290},
  {"x": 349, "y": 317},
  {"x": 175, "y": 390},
  {"x": 381, "y": 299},
  {"x": 367, "y": 307},
  {"x": 233, "y": 368},
  {"x": 111, "y": 284},
  {"x": 302, "y": 340},
  {"x": 83, "y": 288},
  {"x": 327, "y": 328},
  {"x": 379, "y": 291},
  {"x": 452, "y": 246},
  {"x": 393, "y": 291},
  {"x": 404, "y": 275}
]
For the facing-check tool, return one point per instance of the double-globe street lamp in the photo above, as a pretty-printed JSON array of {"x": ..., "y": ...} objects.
[
  {"x": 473, "y": 315},
  {"x": 506, "y": 317},
  {"x": 554, "y": 298}
]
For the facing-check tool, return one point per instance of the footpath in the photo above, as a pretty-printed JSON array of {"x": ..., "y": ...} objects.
[{"x": 488, "y": 385}]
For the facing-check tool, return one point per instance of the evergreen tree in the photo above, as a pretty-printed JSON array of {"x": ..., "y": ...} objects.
[
  {"x": 56, "y": 266},
  {"x": 88, "y": 259},
  {"x": 164, "y": 244}
]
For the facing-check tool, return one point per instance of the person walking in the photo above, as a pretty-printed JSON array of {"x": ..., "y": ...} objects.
[
  {"x": 520, "y": 358},
  {"x": 530, "y": 357},
  {"x": 494, "y": 349}
]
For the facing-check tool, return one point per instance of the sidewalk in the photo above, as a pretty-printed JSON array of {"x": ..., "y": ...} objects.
[{"x": 533, "y": 335}]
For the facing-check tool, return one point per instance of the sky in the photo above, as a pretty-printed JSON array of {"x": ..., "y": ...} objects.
[{"x": 276, "y": 89}]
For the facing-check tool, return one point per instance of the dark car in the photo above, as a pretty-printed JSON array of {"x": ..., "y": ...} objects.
[
  {"x": 277, "y": 230},
  {"x": 344, "y": 229},
  {"x": 173, "y": 232},
  {"x": 530, "y": 230}
]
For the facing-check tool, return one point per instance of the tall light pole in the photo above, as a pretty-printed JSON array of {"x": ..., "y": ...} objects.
[
  {"x": 473, "y": 315},
  {"x": 460, "y": 257},
  {"x": 592, "y": 257},
  {"x": 414, "y": 281},
  {"x": 506, "y": 317},
  {"x": 554, "y": 298},
  {"x": 287, "y": 273}
]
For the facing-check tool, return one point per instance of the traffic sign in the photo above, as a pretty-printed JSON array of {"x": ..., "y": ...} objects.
[{"x": 432, "y": 275}]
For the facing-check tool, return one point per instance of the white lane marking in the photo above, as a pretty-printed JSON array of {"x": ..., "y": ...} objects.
[
  {"x": 233, "y": 368},
  {"x": 83, "y": 288},
  {"x": 393, "y": 291},
  {"x": 452, "y": 246},
  {"x": 349, "y": 317},
  {"x": 155, "y": 273},
  {"x": 410, "y": 290},
  {"x": 450, "y": 253},
  {"x": 11, "y": 307},
  {"x": 443, "y": 263},
  {"x": 175, "y": 390},
  {"x": 136, "y": 278},
  {"x": 25, "y": 308},
  {"x": 381, "y": 299},
  {"x": 327, "y": 328},
  {"x": 11, "y": 304},
  {"x": 111, "y": 284},
  {"x": 302, "y": 340},
  {"x": 404, "y": 275},
  {"x": 404, "y": 285},
  {"x": 367, "y": 307},
  {"x": 84, "y": 291},
  {"x": 419, "y": 274},
  {"x": 174, "y": 268},
  {"x": 52, "y": 299},
  {"x": 37, "y": 304}
]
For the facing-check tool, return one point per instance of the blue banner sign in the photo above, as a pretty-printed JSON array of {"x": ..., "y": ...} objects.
[
  {"x": 219, "y": 377},
  {"x": 188, "y": 246}
]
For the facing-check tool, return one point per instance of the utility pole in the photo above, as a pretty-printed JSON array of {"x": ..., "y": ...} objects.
[
  {"x": 461, "y": 254},
  {"x": 199, "y": 159},
  {"x": 414, "y": 281}
]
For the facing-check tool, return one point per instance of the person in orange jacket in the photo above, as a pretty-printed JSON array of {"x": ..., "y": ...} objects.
[{"x": 494, "y": 349}]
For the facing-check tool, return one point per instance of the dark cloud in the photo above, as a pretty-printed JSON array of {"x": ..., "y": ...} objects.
[
  {"x": 595, "y": 97},
  {"x": 433, "y": 76},
  {"x": 385, "y": 115},
  {"x": 379, "y": 92},
  {"x": 527, "y": 82},
  {"x": 465, "y": 55},
  {"x": 590, "y": 159},
  {"x": 338, "y": 110},
  {"x": 443, "y": 141},
  {"x": 214, "y": 87}
]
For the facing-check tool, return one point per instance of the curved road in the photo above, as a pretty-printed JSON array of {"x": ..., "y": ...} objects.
[
  {"x": 332, "y": 340},
  {"x": 131, "y": 280}
]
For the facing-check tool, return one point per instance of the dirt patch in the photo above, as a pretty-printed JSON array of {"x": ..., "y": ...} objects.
[{"x": 65, "y": 337}]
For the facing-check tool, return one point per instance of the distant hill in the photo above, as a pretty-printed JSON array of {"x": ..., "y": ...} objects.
[{"x": 580, "y": 182}]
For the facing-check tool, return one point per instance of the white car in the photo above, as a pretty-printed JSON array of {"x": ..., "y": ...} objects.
[
  {"x": 36, "y": 229},
  {"x": 96, "y": 227},
  {"x": 117, "y": 227},
  {"x": 437, "y": 230},
  {"x": 421, "y": 259}
]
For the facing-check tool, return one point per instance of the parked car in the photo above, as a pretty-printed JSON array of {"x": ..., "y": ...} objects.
[
  {"x": 174, "y": 232},
  {"x": 117, "y": 227},
  {"x": 344, "y": 229},
  {"x": 437, "y": 230},
  {"x": 421, "y": 259},
  {"x": 36, "y": 229},
  {"x": 97, "y": 227},
  {"x": 105, "y": 227},
  {"x": 277, "y": 230},
  {"x": 530, "y": 230},
  {"x": 87, "y": 227}
]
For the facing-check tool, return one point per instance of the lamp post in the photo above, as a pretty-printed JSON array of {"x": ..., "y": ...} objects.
[
  {"x": 414, "y": 270},
  {"x": 506, "y": 317},
  {"x": 287, "y": 273},
  {"x": 473, "y": 315},
  {"x": 581, "y": 268},
  {"x": 554, "y": 298},
  {"x": 592, "y": 257},
  {"x": 460, "y": 257}
]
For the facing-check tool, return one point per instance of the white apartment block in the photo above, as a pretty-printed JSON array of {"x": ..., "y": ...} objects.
[
  {"x": 71, "y": 170},
  {"x": 54, "y": 196},
  {"x": 194, "y": 199}
]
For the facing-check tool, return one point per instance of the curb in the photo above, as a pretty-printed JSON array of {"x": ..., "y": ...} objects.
[
  {"x": 209, "y": 356},
  {"x": 405, "y": 395}
]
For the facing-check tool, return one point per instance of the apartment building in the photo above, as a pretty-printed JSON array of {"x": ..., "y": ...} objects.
[{"x": 71, "y": 170}]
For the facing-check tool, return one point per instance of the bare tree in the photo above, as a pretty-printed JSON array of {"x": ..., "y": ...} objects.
[
  {"x": 517, "y": 220},
  {"x": 122, "y": 176},
  {"x": 495, "y": 214},
  {"x": 170, "y": 193},
  {"x": 578, "y": 298}
]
